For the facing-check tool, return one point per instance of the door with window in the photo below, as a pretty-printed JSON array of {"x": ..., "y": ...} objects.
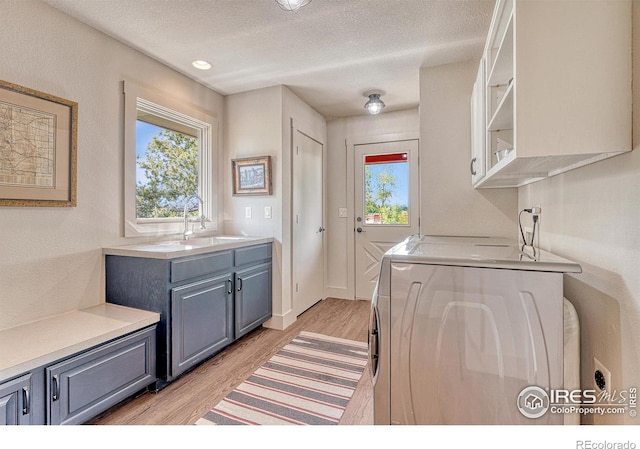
[{"x": 386, "y": 205}]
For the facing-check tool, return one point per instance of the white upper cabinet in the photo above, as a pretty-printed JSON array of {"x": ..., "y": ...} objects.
[
  {"x": 478, "y": 127},
  {"x": 557, "y": 89}
]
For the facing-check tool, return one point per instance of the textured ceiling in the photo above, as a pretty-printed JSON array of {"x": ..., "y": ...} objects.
[{"x": 329, "y": 53}]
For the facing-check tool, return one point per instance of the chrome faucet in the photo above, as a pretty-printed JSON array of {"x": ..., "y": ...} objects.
[{"x": 186, "y": 233}]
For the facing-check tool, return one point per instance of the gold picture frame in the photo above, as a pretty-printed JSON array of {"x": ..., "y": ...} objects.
[
  {"x": 38, "y": 148},
  {"x": 251, "y": 176}
]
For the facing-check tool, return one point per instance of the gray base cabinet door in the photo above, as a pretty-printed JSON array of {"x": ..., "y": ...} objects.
[
  {"x": 253, "y": 298},
  {"x": 15, "y": 401},
  {"x": 85, "y": 385},
  {"x": 201, "y": 321}
]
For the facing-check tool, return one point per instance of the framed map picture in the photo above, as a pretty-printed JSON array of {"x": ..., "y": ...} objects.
[
  {"x": 38, "y": 138},
  {"x": 252, "y": 176}
]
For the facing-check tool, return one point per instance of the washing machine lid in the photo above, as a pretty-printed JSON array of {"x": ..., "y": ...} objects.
[{"x": 482, "y": 252}]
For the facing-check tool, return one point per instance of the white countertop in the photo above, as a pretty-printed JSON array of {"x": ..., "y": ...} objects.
[
  {"x": 29, "y": 346},
  {"x": 170, "y": 249}
]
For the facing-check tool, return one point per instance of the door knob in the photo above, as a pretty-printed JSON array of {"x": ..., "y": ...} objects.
[{"x": 360, "y": 230}]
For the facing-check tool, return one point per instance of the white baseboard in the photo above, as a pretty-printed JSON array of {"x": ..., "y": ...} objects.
[
  {"x": 280, "y": 322},
  {"x": 337, "y": 292}
]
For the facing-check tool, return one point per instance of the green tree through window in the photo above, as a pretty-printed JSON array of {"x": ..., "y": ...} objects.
[
  {"x": 381, "y": 192},
  {"x": 170, "y": 175}
]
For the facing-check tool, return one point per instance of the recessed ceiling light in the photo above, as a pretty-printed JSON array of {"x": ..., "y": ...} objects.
[{"x": 201, "y": 64}]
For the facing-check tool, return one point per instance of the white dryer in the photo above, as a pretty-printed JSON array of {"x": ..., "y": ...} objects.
[{"x": 460, "y": 326}]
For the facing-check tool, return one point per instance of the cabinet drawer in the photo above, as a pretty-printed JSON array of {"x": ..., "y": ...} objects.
[
  {"x": 83, "y": 386},
  {"x": 196, "y": 266},
  {"x": 253, "y": 254}
]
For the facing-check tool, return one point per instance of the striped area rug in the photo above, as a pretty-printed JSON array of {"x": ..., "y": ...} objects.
[{"x": 309, "y": 381}]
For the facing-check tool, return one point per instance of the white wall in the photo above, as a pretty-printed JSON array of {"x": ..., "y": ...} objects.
[
  {"x": 296, "y": 116},
  {"x": 449, "y": 204},
  {"x": 258, "y": 123},
  {"x": 51, "y": 258},
  {"x": 592, "y": 215},
  {"x": 253, "y": 127},
  {"x": 340, "y": 249}
]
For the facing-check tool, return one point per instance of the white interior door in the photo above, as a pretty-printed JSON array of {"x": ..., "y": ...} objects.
[
  {"x": 386, "y": 205},
  {"x": 308, "y": 222}
]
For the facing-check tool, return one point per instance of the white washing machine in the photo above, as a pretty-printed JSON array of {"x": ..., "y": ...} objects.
[{"x": 460, "y": 326}]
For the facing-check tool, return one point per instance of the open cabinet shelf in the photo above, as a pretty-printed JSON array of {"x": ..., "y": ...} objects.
[{"x": 557, "y": 96}]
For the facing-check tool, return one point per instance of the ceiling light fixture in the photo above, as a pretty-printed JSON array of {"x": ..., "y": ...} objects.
[
  {"x": 201, "y": 64},
  {"x": 292, "y": 5},
  {"x": 374, "y": 105}
]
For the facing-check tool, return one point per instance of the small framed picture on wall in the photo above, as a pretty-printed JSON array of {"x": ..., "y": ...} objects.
[{"x": 252, "y": 176}]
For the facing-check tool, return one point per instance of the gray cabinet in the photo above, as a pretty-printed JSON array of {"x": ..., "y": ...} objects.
[
  {"x": 201, "y": 320},
  {"x": 252, "y": 298},
  {"x": 85, "y": 385},
  {"x": 75, "y": 389},
  {"x": 205, "y": 301},
  {"x": 253, "y": 302},
  {"x": 15, "y": 401}
]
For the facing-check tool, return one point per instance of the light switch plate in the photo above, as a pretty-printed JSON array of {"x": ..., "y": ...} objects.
[
  {"x": 267, "y": 212},
  {"x": 342, "y": 212},
  {"x": 247, "y": 212}
]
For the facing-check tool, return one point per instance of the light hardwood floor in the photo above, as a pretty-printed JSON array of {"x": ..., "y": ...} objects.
[{"x": 187, "y": 399}]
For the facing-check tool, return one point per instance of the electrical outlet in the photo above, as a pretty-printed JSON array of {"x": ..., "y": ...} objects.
[{"x": 601, "y": 376}]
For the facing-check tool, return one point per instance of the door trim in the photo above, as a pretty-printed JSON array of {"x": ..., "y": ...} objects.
[{"x": 351, "y": 143}]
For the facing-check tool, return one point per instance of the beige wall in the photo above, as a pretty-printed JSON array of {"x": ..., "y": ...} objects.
[
  {"x": 592, "y": 215},
  {"x": 449, "y": 204},
  {"x": 340, "y": 249},
  {"x": 259, "y": 123},
  {"x": 51, "y": 258},
  {"x": 253, "y": 127},
  {"x": 296, "y": 116}
]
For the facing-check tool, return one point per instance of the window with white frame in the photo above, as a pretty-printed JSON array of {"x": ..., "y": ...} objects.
[{"x": 170, "y": 158}]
